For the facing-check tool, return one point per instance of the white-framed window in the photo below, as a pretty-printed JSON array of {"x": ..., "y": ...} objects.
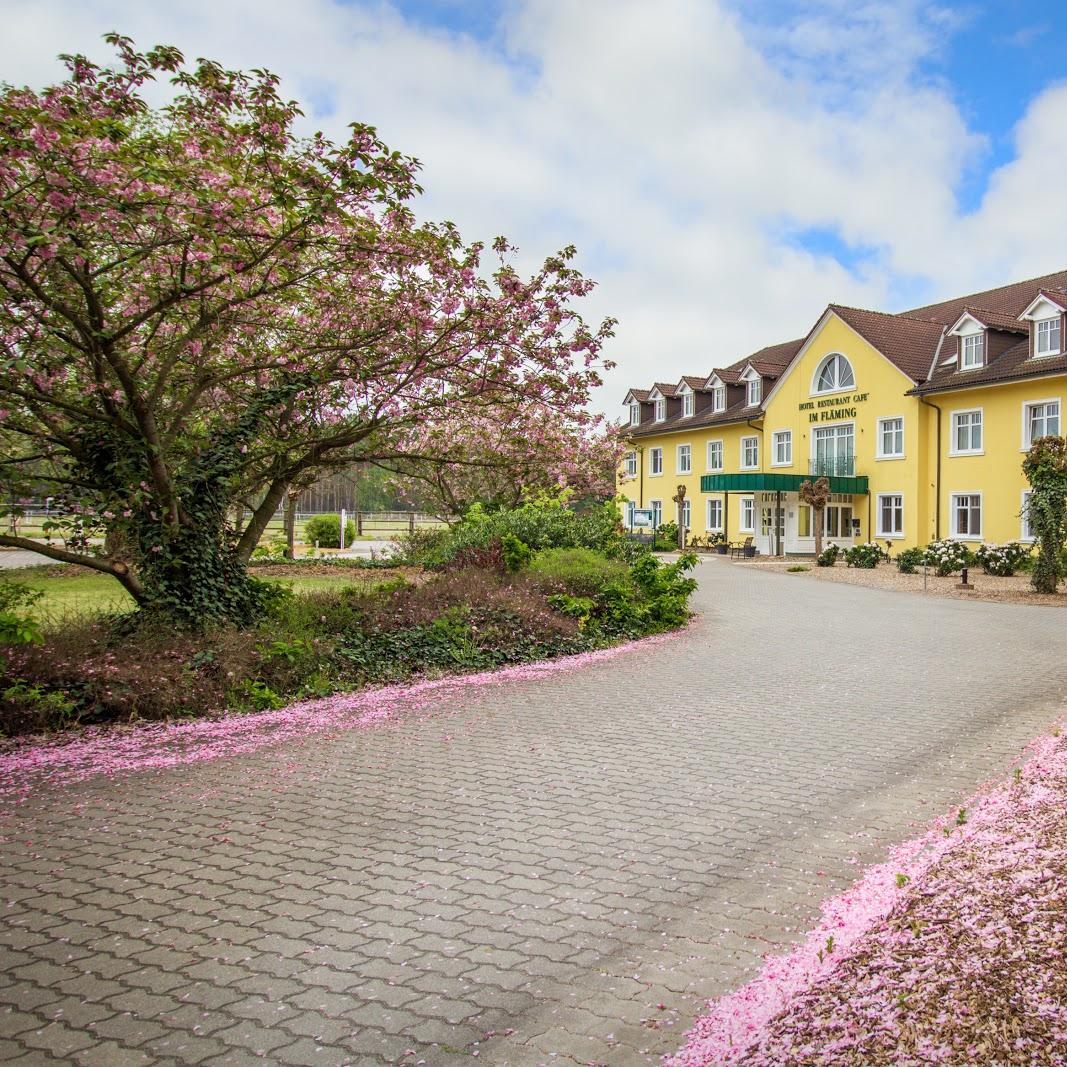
[
  {"x": 628, "y": 514},
  {"x": 718, "y": 398},
  {"x": 804, "y": 521},
  {"x": 714, "y": 520},
  {"x": 833, "y": 450},
  {"x": 1047, "y": 337},
  {"x": 635, "y": 414},
  {"x": 687, "y": 404},
  {"x": 655, "y": 461},
  {"x": 782, "y": 448},
  {"x": 837, "y": 520},
  {"x": 657, "y": 513},
  {"x": 1041, "y": 418},
  {"x": 749, "y": 453},
  {"x": 833, "y": 374},
  {"x": 687, "y": 514},
  {"x": 966, "y": 513},
  {"x": 755, "y": 391},
  {"x": 966, "y": 433},
  {"x": 972, "y": 350},
  {"x": 1026, "y": 531},
  {"x": 685, "y": 459},
  {"x": 660, "y": 410},
  {"x": 891, "y": 438},
  {"x": 631, "y": 465},
  {"x": 890, "y": 515},
  {"x": 748, "y": 514},
  {"x": 715, "y": 456}
]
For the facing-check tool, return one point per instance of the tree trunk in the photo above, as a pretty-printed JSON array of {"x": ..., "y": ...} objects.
[
  {"x": 290, "y": 525},
  {"x": 817, "y": 518},
  {"x": 260, "y": 517}
]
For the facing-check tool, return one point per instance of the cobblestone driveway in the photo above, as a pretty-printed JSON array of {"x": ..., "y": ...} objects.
[{"x": 549, "y": 872}]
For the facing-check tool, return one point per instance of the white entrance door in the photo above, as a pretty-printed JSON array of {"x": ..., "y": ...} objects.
[{"x": 770, "y": 534}]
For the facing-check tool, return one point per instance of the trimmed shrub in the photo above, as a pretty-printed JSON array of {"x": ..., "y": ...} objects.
[
  {"x": 1004, "y": 560},
  {"x": 828, "y": 556},
  {"x": 866, "y": 556},
  {"x": 910, "y": 560},
  {"x": 326, "y": 530},
  {"x": 947, "y": 556}
]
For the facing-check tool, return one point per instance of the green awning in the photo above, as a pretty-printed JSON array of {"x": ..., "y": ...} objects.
[{"x": 786, "y": 483}]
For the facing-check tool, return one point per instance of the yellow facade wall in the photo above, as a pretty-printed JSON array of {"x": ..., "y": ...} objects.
[
  {"x": 996, "y": 470},
  {"x": 880, "y": 391}
]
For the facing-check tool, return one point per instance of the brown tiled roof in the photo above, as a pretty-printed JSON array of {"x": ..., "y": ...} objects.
[
  {"x": 1007, "y": 299},
  {"x": 1057, "y": 296},
  {"x": 995, "y": 320},
  {"x": 693, "y": 382},
  {"x": 908, "y": 342},
  {"x": 777, "y": 356},
  {"x": 639, "y": 394},
  {"x": 666, "y": 388},
  {"x": 734, "y": 413},
  {"x": 1012, "y": 364}
]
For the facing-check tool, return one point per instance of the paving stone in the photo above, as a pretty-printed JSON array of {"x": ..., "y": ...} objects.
[{"x": 554, "y": 857}]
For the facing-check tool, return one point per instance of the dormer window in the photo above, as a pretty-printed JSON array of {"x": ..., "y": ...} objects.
[
  {"x": 1047, "y": 337},
  {"x": 635, "y": 414},
  {"x": 755, "y": 391},
  {"x": 660, "y": 410},
  {"x": 718, "y": 398},
  {"x": 972, "y": 351},
  {"x": 687, "y": 404}
]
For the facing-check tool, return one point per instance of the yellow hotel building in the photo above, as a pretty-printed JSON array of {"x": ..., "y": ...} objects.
[{"x": 919, "y": 419}]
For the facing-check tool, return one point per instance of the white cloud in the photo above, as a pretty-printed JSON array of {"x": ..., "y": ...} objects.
[{"x": 678, "y": 145}]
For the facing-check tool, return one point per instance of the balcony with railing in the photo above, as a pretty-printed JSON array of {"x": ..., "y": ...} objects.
[{"x": 832, "y": 467}]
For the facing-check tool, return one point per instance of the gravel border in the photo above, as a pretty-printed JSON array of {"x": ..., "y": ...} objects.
[{"x": 1014, "y": 590}]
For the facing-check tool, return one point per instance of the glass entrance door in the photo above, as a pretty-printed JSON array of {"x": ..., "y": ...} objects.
[{"x": 772, "y": 526}]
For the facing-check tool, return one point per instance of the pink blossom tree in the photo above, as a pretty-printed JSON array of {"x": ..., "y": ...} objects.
[
  {"x": 497, "y": 455},
  {"x": 196, "y": 301}
]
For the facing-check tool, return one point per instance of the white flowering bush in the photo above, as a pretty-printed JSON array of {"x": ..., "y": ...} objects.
[
  {"x": 947, "y": 556},
  {"x": 1002, "y": 560},
  {"x": 866, "y": 556}
]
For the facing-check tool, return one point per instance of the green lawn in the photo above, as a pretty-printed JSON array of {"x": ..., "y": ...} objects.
[{"x": 84, "y": 593}]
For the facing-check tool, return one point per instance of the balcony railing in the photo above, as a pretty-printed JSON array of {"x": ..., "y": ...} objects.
[{"x": 833, "y": 467}]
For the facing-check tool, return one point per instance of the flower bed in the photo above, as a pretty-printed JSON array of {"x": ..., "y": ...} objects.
[{"x": 951, "y": 952}]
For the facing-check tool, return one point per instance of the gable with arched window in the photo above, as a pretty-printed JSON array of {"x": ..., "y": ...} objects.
[{"x": 833, "y": 374}]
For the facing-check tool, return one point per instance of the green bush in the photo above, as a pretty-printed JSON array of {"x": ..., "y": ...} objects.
[
  {"x": 666, "y": 539},
  {"x": 866, "y": 556},
  {"x": 539, "y": 523},
  {"x": 326, "y": 530},
  {"x": 577, "y": 571},
  {"x": 828, "y": 556},
  {"x": 910, "y": 560},
  {"x": 1002, "y": 560},
  {"x": 947, "y": 556},
  {"x": 516, "y": 553}
]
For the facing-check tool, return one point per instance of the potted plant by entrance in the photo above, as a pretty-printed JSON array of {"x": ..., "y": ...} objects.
[{"x": 719, "y": 543}]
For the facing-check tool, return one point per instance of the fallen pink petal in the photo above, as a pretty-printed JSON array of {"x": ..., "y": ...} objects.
[
  {"x": 949, "y": 952},
  {"x": 34, "y": 764}
]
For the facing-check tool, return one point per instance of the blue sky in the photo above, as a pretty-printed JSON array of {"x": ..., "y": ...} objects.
[{"x": 725, "y": 167}]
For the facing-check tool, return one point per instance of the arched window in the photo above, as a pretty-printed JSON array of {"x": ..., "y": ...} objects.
[{"x": 834, "y": 373}]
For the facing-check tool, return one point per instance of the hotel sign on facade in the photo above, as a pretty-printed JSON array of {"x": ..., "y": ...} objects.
[{"x": 831, "y": 409}]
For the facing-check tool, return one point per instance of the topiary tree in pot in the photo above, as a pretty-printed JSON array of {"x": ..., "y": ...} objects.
[
  {"x": 816, "y": 495},
  {"x": 1045, "y": 467}
]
